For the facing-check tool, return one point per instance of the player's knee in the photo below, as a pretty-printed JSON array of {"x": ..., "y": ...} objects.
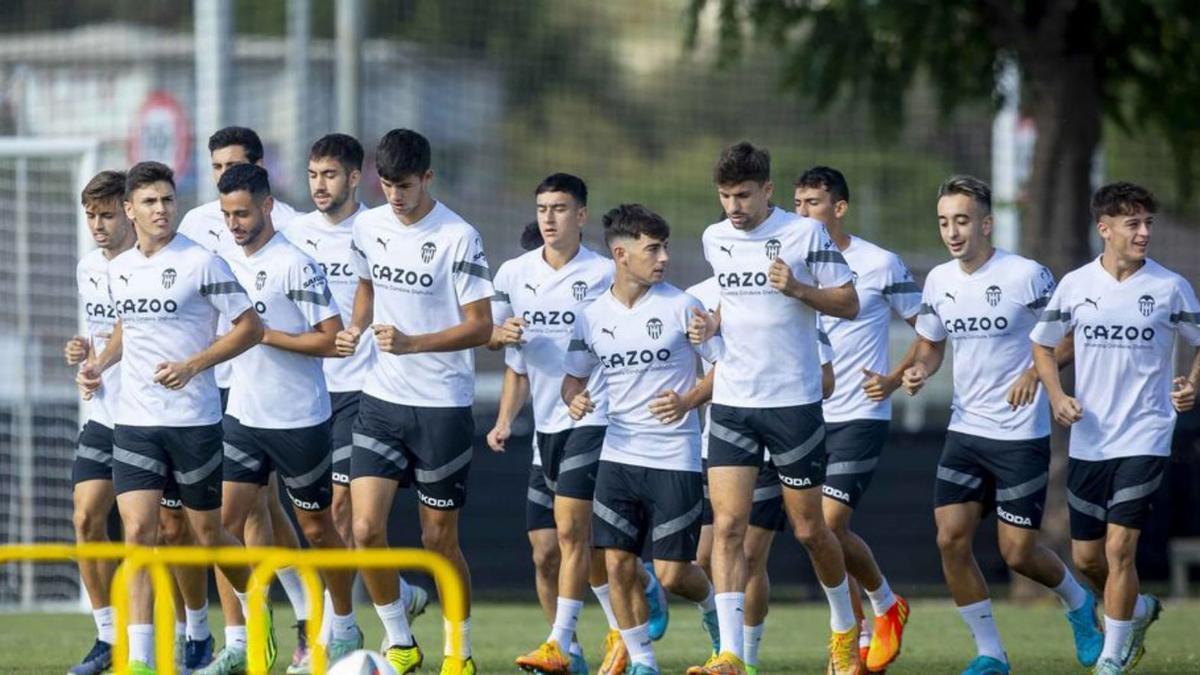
[
  {"x": 208, "y": 532},
  {"x": 139, "y": 532},
  {"x": 953, "y": 541},
  {"x": 729, "y": 530},
  {"x": 621, "y": 568},
  {"x": 440, "y": 538},
  {"x": 574, "y": 535},
  {"x": 808, "y": 530},
  {"x": 368, "y": 533},
  {"x": 317, "y": 531},
  {"x": 546, "y": 561},
  {"x": 89, "y": 526},
  {"x": 1119, "y": 552},
  {"x": 755, "y": 560},
  {"x": 1018, "y": 555},
  {"x": 672, "y": 577},
  {"x": 172, "y": 530}
]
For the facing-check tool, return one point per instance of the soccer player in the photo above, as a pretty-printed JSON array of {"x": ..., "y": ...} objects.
[
  {"x": 997, "y": 452},
  {"x": 92, "y": 469},
  {"x": 775, "y": 270},
  {"x": 632, "y": 342},
  {"x": 425, "y": 292},
  {"x": 1125, "y": 311},
  {"x": 267, "y": 524},
  {"x": 859, "y": 412},
  {"x": 168, "y": 292}
]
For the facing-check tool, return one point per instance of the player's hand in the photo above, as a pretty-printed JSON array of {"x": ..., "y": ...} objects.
[
  {"x": 668, "y": 406},
  {"x": 581, "y": 405},
  {"x": 779, "y": 275},
  {"x": 391, "y": 340},
  {"x": 346, "y": 341},
  {"x": 88, "y": 380},
  {"x": 498, "y": 436},
  {"x": 703, "y": 325},
  {"x": 77, "y": 350},
  {"x": 510, "y": 332},
  {"x": 877, "y": 386},
  {"x": 1023, "y": 390},
  {"x": 1183, "y": 394},
  {"x": 914, "y": 379},
  {"x": 1067, "y": 410},
  {"x": 173, "y": 375}
]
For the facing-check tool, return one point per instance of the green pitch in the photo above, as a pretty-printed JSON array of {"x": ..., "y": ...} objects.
[{"x": 937, "y": 642}]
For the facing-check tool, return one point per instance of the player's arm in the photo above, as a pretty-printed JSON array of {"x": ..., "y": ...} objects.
[
  {"x": 88, "y": 377},
  {"x": 360, "y": 318},
  {"x": 828, "y": 380},
  {"x": 1183, "y": 388},
  {"x": 670, "y": 406},
  {"x": 1066, "y": 409},
  {"x": 246, "y": 331},
  {"x": 839, "y": 301},
  {"x": 575, "y": 395},
  {"x": 1024, "y": 389},
  {"x": 474, "y": 331},
  {"x": 927, "y": 359},
  {"x": 513, "y": 393},
  {"x": 320, "y": 341},
  {"x": 507, "y": 333}
]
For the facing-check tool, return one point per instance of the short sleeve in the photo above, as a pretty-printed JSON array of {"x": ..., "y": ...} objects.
[
  {"x": 1185, "y": 313},
  {"x": 823, "y": 259},
  {"x": 1041, "y": 289},
  {"x": 580, "y": 360},
  {"x": 710, "y": 350},
  {"x": 472, "y": 278},
  {"x": 308, "y": 289},
  {"x": 929, "y": 324},
  {"x": 514, "y": 358},
  {"x": 1056, "y": 320},
  {"x": 502, "y": 308},
  {"x": 901, "y": 290},
  {"x": 220, "y": 288},
  {"x": 358, "y": 256},
  {"x": 824, "y": 346}
]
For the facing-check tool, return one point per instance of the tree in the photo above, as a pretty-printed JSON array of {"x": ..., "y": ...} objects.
[{"x": 1133, "y": 62}]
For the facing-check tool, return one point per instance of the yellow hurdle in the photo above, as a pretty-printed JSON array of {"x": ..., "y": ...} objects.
[{"x": 265, "y": 562}]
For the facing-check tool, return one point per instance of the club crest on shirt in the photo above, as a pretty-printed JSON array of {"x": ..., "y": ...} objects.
[
  {"x": 1146, "y": 305},
  {"x": 168, "y": 277},
  {"x": 992, "y": 295},
  {"x": 260, "y": 280},
  {"x": 772, "y": 248},
  {"x": 579, "y": 290},
  {"x": 428, "y": 250},
  {"x": 654, "y": 328}
]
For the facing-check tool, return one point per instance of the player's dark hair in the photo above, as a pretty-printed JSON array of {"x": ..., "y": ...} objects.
[
  {"x": 564, "y": 182},
  {"x": 531, "y": 236},
  {"x": 341, "y": 147},
  {"x": 147, "y": 173},
  {"x": 104, "y": 186},
  {"x": 249, "y": 177},
  {"x": 243, "y": 136},
  {"x": 633, "y": 221},
  {"x": 1122, "y": 199},
  {"x": 742, "y": 162},
  {"x": 402, "y": 153},
  {"x": 826, "y": 178},
  {"x": 970, "y": 186}
]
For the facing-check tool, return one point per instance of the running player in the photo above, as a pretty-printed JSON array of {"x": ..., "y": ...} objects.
[
  {"x": 997, "y": 452},
  {"x": 278, "y": 414},
  {"x": 775, "y": 270},
  {"x": 168, "y": 292},
  {"x": 632, "y": 342},
  {"x": 425, "y": 292},
  {"x": 859, "y": 412},
  {"x": 1125, "y": 311}
]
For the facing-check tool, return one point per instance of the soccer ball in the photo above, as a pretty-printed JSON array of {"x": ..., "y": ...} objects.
[{"x": 362, "y": 662}]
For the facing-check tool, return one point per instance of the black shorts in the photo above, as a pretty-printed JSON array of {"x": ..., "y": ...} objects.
[
  {"x": 767, "y": 510},
  {"x": 301, "y": 457},
  {"x": 224, "y": 398},
  {"x": 570, "y": 459},
  {"x": 1012, "y": 475},
  {"x": 145, "y": 458},
  {"x": 93, "y": 453},
  {"x": 853, "y": 448},
  {"x": 539, "y": 502},
  {"x": 431, "y": 447},
  {"x": 345, "y": 409},
  {"x": 634, "y": 501},
  {"x": 795, "y": 435},
  {"x": 1119, "y": 491}
]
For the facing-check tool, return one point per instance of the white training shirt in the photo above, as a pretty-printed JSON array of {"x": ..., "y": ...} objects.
[
  {"x": 639, "y": 352},
  {"x": 884, "y": 286},
  {"x": 168, "y": 306},
  {"x": 205, "y": 225},
  {"x": 423, "y": 274},
  {"x": 91, "y": 277},
  {"x": 550, "y": 300},
  {"x": 771, "y": 358},
  {"x": 329, "y": 245},
  {"x": 988, "y": 316},
  {"x": 1124, "y": 334},
  {"x": 274, "y": 388}
]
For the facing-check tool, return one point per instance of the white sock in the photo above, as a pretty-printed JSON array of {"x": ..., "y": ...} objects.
[
  {"x": 141, "y": 643},
  {"x": 105, "y": 630},
  {"x": 576, "y": 648},
  {"x": 294, "y": 588},
  {"x": 405, "y": 591},
  {"x": 641, "y": 649},
  {"x": 752, "y": 636},
  {"x": 180, "y": 629},
  {"x": 881, "y": 598},
  {"x": 1072, "y": 594},
  {"x": 464, "y": 629},
  {"x": 602, "y": 595},
  {"x": 983, "y": 628},
  {"x": 731, "y": 607},
  {"x": 864, "y": 633},
  {"x": 342, "y": 627},
  {"x": 395, "y": 622},
  {"x": 1140, "y": 608},
  {"x": 197, "y": 623},
  {"x": 565, "y": 619},
  {"x": 1116, "y": 634},
  {"x": 235, "y": 638},
  {"x": 327, "y": 620},
  {"x": 708, "y": 604},
  {"x": 841, "y": 610},
  {"x": 244, "y": 601}
]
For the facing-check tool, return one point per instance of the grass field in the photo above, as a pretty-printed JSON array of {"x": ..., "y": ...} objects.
[{"x": 1037, "y": 638}]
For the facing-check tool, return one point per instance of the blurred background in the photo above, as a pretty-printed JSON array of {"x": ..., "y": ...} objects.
[{"x": 1045, "y": 100}]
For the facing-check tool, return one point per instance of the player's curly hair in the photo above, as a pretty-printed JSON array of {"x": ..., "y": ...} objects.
[{"x": 1122, "y": 199}]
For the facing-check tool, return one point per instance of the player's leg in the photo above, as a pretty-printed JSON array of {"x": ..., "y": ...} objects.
[
  {"x": 344, "y": 407},
  {"x": 704, "y": 548},
  {"x": 766, "y": 518},
  {"x": 678, "y": 500},
  {"x": 543, "y": 541},
  {"x": 94, "y": 499},
  {"x": 194, "y": 646},
  {"x": 283, "y": 535}
]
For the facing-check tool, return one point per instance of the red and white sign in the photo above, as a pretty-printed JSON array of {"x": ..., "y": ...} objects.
[{"x": 161, "y": 133}]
